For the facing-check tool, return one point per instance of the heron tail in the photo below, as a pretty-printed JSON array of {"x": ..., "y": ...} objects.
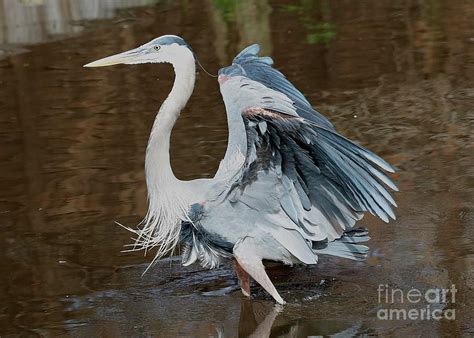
[{"x": 348, "y": 246}]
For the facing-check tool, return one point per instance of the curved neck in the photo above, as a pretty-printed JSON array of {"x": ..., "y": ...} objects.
[{"x": 157, "y": 162}]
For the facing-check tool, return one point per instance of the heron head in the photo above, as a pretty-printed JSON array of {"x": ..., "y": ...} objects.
[{"x": 166, "y": 48}]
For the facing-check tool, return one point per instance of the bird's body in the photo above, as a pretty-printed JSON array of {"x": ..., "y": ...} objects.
[{"x": 289, "y": 186}]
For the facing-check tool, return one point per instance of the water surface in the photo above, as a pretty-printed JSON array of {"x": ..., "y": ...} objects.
[{"x": 396, "y": 76}]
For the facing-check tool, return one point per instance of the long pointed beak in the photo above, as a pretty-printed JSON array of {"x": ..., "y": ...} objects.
[{"x": 125, "y": 57}]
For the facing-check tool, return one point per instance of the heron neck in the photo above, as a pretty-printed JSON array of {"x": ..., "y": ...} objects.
[{"x": 157, "y": 162}]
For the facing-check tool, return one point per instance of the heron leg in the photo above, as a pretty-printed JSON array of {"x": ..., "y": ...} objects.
[
  {"x": 251, "y": 262},
  {"x": 244, "y": 278}
]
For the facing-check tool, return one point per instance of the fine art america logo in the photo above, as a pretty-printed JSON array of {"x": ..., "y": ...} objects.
[{"x": 416, "y": 304}]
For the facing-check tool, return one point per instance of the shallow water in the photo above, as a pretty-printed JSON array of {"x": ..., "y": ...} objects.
[{"x": 396, "y": 76}]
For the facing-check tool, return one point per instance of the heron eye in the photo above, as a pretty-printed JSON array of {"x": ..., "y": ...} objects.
[{"x": 157, "y": 47}]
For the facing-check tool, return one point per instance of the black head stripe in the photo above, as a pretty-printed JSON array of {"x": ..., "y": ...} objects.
[{"x": 170, "y": 39}]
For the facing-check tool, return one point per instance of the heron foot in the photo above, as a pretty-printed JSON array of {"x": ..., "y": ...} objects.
[
  {"x": 244, "y": 278},
  {"x": 251, "y": 263}
]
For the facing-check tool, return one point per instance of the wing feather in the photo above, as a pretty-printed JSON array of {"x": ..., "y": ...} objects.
[
  {"x": 259, "y": 69},
  {"x": 298, "y": 171}
]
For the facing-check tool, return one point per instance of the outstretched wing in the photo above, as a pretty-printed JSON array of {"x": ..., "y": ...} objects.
[
  {"x": 259, "y": 69},
  {"x": 296, "y": 166}
]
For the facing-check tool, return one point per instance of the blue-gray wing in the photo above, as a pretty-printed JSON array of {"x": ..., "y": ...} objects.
[
  {"x": 298, "y": 173},
  {"x": 319, "y": 169},
  {"x": 260, "y": 69}
]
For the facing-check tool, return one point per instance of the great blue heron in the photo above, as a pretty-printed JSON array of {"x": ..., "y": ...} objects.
[{"x": 288, "y": 189}]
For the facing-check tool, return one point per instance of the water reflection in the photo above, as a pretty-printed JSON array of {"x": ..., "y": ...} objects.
[
  {"x": 246, "y": 21},
  {"x": 258, "y": 320},
  {"x": 177, "y": 303},
  {"x": 315, "y": 16},
  {"x": 397, "y": 77},
  {"x": 33, "y": 21}
]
